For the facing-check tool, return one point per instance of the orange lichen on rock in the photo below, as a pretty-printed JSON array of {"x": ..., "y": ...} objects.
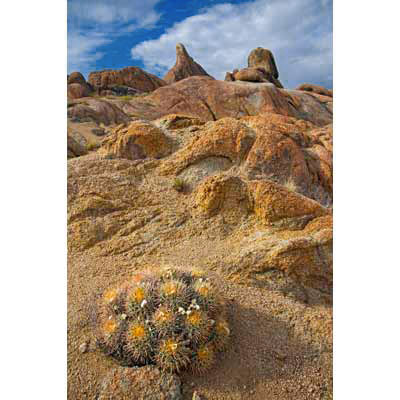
[
  {"x": 279, "y": 207},
  {"x": 139, "y": 140},
  {"x": 226, "y": 137}
]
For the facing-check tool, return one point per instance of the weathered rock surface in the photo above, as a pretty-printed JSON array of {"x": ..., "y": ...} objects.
[
  {"x": 250, "y": 75},
  {"x": 255, "y": 74},
  {"x": 276, "y": 206},
  {"x": 210, "y": 99},
  {"x": 263, "y": 58},
  {"x": 137, "y": 141},
  {"x": 293, "y": 153},
  {"x": 145, "y": 383},
  {"x": 178, "y": 121},
  {"x": 132, "y": 77},
  {"x": 77, "y": 90},
  {"x": 305, "y": 255},
  {"x": 308, "y": 87},
  {"x": 261, "y": 68},
  {"x": 123, "y": 206},
  {"x": 184, "y": 67},
  {"x": 225, "y": 195},
  {"x": 118, "y": 90},
  {"x": 96, "y": 110},
  {"x": 249, "y": 158},
  {"x": 76, "y": 77},
  {"x": 227, "y": 137},
  {"x": 74, "y": 148}
]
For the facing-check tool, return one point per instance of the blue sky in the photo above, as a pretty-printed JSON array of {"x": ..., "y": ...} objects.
[{"x": 218, "y": 34}]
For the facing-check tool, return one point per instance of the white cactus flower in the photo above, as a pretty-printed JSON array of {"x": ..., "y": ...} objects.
[
  {"x": 144, "y": 302},
  {"x": 123, "y": 316}
]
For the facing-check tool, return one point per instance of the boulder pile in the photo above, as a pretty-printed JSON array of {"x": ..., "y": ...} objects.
[{"x": 261, "y": 68}]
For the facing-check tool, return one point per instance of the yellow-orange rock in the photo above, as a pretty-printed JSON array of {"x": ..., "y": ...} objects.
[
  {"x": 223, "y": 194},
  {"x": 177, "y": 121},
  {"x": 137, "y": 141},
  {"x": 278, "y": 207},
  {"x": 293, "y": 153},
  {"x": 305, "y": 255},
  {"x": 227, "y": 137}
]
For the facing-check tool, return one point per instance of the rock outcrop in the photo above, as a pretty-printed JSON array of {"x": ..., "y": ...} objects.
[
  {"x": 255, "y": 74},
  {"x": 308, "y": 87},
  {"x": 137, "y": 141},
  {"x": 210, "y": 99},
  {"x": 184, "y": 67},
  {"x": 76, "y": 77},
  {"x": 131, "y": 77},
  {"x": 77, "y": 86},
  {"x": 74, "y": 148},
  {"x": 263, "y": 58},
  {"x": 178, "y": 121},
  {"x": 293, "y": 153},
  {"x": 96, "y": 110},
  {"x": 77, "y": 91},
  {"x": 261, "y": 68}
]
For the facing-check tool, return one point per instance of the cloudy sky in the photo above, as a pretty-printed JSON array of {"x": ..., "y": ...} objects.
[{"x": 218, "y": 34}]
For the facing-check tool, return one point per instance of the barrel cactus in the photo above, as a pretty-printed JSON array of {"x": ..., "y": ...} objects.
[{"x": 174, "y": 319}]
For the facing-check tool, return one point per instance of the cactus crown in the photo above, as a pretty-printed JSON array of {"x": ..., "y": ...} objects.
[{"x": 173, "y": 319}]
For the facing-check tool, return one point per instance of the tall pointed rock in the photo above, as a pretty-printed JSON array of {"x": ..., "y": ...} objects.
[{"x": 184, "y": 67}]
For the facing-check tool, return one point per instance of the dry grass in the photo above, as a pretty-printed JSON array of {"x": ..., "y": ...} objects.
[
  {"x": 92, "y": 145},
  {"x": 179, "y": 184},
  {"x": 126, "y": 98},
  {"x": 290, "y": 185}
]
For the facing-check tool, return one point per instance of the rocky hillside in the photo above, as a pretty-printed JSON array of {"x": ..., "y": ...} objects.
[{"x": 233, "y": 177}]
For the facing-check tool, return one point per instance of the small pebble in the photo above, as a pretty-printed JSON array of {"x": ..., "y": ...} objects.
[{"x": 83, "y": 347}]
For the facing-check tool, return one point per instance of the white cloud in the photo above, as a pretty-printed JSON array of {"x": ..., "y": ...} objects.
[
  {"x": 109, "y": 11},
  {"x": 94, "y": 23},
  {"x": 81, "y": 49},
  {"x": 298, "y": 32}
]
